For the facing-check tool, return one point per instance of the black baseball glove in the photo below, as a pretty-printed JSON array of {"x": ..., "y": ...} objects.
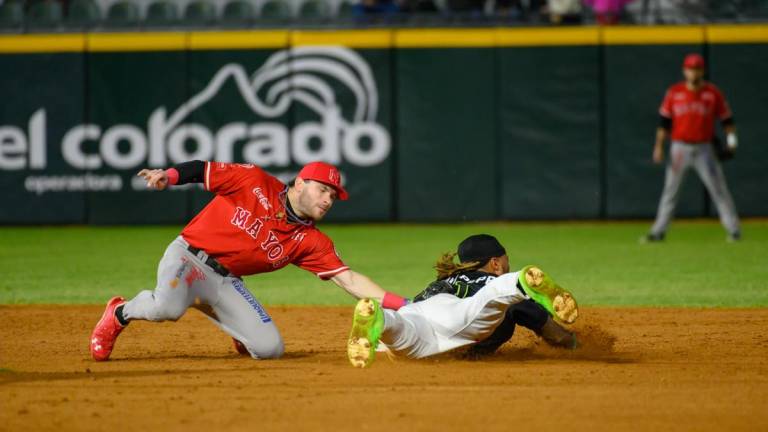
[{"x": 458, "y": 289}]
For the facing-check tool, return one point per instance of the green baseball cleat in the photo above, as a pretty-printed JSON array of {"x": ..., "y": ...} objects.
[
  {"x": 544, "y": 291},
  {"x": 367, "y": 325}
]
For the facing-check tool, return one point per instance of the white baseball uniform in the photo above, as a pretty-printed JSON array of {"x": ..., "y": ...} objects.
[{"x": 444, "y": 322}]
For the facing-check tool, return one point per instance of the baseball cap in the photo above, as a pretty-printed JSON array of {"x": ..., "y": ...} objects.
[
  {"x": 324, "y": 173},
  {"x": 693, "y": 61},
  {"x": 480, "y": 247}
]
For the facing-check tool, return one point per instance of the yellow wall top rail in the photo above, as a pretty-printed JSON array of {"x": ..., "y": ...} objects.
[{"x": 383, "y": 38}]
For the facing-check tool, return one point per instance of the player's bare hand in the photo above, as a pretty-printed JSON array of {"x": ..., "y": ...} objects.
[
  {"x": 658, "y": 154},
  {"x": 156, "y": 179}
]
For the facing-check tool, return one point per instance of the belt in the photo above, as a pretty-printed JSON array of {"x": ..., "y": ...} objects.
[{"x": 210, "y": 262}]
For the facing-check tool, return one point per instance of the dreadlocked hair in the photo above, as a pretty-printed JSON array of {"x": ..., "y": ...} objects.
[{"x": 447, "y": 267}]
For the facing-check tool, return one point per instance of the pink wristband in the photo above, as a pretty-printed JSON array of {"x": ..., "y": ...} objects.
[
  {"x": 173, "y": 176},
  {"x": 393, "y": 301}
]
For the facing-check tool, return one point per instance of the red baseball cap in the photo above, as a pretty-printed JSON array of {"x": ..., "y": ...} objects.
[
  {"x": 693, "y": 61},
  {"x": 324, "y": 173}
]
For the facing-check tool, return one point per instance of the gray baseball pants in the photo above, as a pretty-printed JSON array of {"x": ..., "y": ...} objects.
[
  {"x": 702, "y": 158},
  {"x": 184, "y": 281}
]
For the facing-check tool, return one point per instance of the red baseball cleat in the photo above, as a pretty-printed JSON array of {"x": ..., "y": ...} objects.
[
  {"x": 106, "y": 331},
  {"x": 239, "y": 347}
]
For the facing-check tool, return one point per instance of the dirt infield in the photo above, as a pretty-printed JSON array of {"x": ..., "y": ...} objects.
[{"x": 639, "y": 369}]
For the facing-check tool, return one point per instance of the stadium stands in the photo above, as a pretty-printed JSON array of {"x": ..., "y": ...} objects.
[
  {"x": 161, "y": 13},
  {"x": 44, "y": 14},
  {"x": 122, "y": 14},
  {"x": 238, "y": 12},
  {"x": 314, "y": 10},
  {"x": 73, "y": 15},
  {"x": 83, "y": 14},
  {"x": 11, "y": 16},
  {"x": 275, "y": 11},
  {"x": 199, "y": 12}
]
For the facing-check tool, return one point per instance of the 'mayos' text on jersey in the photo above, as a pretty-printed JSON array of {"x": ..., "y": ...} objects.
[{"x": 245, "y": 227}]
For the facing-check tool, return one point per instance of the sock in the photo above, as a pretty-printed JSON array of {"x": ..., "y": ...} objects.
[{"x": 119, "y": 315}]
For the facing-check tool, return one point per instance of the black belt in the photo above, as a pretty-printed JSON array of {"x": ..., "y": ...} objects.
[{"x": 210, "y": 262}]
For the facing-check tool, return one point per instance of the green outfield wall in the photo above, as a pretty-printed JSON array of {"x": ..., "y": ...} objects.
[{"x": 426, "y": 124}]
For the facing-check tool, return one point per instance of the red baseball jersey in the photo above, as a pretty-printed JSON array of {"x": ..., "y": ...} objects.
[
  {"x": 693, "y": 113},
  {"x": 245, "y": 227}
]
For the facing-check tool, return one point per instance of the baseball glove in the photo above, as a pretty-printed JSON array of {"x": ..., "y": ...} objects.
[
  {"x": 458, "y": 289},
  {"x": 722, "y": 151}
]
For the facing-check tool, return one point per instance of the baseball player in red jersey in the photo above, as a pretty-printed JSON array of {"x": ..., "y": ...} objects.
[
  {"x": 254, "y": 224},
  {"x": 689, "y": 110}
]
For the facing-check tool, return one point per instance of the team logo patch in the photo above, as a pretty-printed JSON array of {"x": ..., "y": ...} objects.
[
  {"x": 188, "y": 273},
  {"x": 194, "y": 274},
  {"x": 262, "y": 198},
  {"x": 333, "y": 177},
  {"x": 180, "y": 272}
]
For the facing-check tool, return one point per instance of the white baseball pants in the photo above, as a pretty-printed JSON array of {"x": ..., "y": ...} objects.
[{"x": 445, "y": 322}]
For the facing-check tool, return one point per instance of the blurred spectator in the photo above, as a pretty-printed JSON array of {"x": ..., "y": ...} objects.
[
  {"x": 466, "y": 6},
  {"x": 375, "y": 7},
  {"x": 607, "y": 12},
  {"x": 528, "y": 10},
  {"x": 564, "y": 11},
  {"x": 418, "y": 6},
  {"x": 509, "y": 8}
]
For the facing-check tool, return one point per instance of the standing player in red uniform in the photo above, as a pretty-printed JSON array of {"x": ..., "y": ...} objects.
[
  {"x": 254, "y": 224},
  {"x": 689, "y": 110}
]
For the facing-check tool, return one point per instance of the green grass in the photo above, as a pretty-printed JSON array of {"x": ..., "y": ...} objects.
[{"x": 602, "y": 263}]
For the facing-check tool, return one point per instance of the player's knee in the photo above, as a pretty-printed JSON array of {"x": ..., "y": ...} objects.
[
  {"x": 175, "y": 312},
  {"x": 265, "y": 352},
  {"x": 270, "y": 347},
  {"x": 167, "y": 311}
]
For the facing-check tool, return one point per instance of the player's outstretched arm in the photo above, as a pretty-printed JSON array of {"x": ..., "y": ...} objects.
[
  {"x": 183, "y": 173},
  {"x": 360, "y": 286}
]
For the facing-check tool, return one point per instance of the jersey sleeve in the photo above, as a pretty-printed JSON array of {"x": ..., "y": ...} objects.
[
  {"x": 322, "y": 259},
  {"x": 665, "y": 110},
  {"x": 722, "y": 109},
  {"x": 226, "y": 178}
]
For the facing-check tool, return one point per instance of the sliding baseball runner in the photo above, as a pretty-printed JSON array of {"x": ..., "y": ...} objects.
[{"x": 476, "y": 302}]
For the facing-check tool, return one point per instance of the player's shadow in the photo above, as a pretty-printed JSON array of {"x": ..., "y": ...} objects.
[
  {"x": 595, "y": 345},
  {"x": 11, "y": 377},
  {"x": 559, "y": 354},
  {"x": 206, "y": 357}
]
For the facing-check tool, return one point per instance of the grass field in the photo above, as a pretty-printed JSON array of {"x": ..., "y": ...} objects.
[{"x": 602, "y": 263}]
